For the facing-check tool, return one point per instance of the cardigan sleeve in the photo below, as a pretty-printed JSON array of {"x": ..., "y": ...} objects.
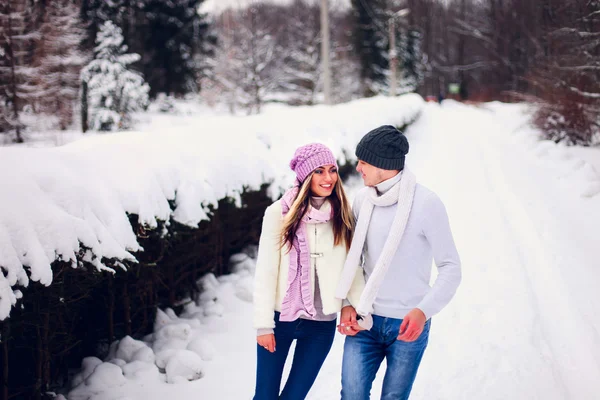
[
  {"x": 358, "y": 284},
  {"x": 267, "y": 268}
]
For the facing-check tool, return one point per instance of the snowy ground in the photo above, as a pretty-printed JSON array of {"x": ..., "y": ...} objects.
[{"x": 525, "y": 216}]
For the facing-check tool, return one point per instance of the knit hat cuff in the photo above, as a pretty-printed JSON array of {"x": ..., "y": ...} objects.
[
  {"x": 366, "y": 155},
  {"x": 315, "y": 161}
]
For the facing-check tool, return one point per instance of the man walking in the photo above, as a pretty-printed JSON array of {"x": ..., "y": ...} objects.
[{"x": 401, "y": 226}]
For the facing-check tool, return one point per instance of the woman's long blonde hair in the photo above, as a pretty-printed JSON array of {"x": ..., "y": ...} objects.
[{"x": 342, "y": 219}]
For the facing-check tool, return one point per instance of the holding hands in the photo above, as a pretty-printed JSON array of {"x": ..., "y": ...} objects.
[{"x": 348, "y": 323}]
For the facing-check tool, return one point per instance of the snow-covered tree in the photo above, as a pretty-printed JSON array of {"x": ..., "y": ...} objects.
[
  {"x": 248, "y": 60},
  {"x": 344, "y": 61},
  {"x": 114, "y": 91},
  {"x": 173, "y": 37},
  {"x": 345, "y": 76},
  {"x": 568, "y": 72},
  {"x": 222, "y": 84},
  {"x": 123, "y": 13},
  {"x": 17, "y": 75},
  {"x": 301, "y": 67},
  {"x": 259, "y": 54},
  {"x": 411, "y": 61},
  {"x": 60, "y": 60}
]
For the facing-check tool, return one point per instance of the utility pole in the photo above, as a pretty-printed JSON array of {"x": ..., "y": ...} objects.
[{"x": 325, "y": 51}]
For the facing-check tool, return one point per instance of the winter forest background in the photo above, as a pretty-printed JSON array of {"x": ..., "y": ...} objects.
[
  {"x": 61, "y": 59},
  {"x": 141, "y": 212}
]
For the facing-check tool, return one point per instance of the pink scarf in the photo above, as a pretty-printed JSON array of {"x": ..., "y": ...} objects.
[{"x": 298, "y": 300}]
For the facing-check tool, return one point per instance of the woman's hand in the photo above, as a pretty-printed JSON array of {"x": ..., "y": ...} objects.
[
  {"x": 348, "y": 324},
  {"x": 267, "y": 341}
]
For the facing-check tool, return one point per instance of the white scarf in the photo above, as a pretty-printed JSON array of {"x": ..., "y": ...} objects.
[{"x": 402, "y": 193}]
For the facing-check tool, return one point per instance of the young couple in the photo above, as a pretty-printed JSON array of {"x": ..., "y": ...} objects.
[{"x": 317, "y": 257}]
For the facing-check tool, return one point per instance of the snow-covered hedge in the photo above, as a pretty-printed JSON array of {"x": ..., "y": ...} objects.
[{"x": 72, "y": 203}]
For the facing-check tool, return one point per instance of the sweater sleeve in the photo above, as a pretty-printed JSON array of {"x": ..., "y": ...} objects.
[
  {"x": 436, "y": 229},
  {"x": 267, "y": 268}
]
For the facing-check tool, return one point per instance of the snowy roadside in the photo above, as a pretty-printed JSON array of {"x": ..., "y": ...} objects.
[{"x": 577, "y": 167}]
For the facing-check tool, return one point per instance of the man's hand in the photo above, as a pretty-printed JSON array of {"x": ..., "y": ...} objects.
[
  {"x": 412, "y": 325},
  {"x": 267, "y": 341},
  {"x": 348, "y": 324}
]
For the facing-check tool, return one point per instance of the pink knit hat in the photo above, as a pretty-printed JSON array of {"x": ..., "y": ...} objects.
[{"x": 309, "y": 157}]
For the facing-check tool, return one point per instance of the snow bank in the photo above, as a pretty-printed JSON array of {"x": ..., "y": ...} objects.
[
  {"x": 576, "y": 168},
  {"x": 180, "y": 350},
  {"x": 72, "y": 201}
]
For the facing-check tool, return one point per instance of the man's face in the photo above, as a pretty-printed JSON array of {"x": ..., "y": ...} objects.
[{"x": 371, "y": 175}]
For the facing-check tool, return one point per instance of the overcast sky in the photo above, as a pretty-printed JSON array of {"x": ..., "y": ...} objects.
[{"x": 219, "y": 5}]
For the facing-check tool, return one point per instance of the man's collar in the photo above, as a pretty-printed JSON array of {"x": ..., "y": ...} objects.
[{"x": 386, "y": 185}]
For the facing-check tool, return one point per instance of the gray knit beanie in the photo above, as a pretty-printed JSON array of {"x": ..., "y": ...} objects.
[{"x": 384, "y": 147}]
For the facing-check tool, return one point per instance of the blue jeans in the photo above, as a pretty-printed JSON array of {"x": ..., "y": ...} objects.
[
  {"x": 313, "y": 342},
  {"x": 364, "y": 353}
]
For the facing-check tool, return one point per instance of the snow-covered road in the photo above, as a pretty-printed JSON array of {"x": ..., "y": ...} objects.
[{"x": 522, "y": 325}]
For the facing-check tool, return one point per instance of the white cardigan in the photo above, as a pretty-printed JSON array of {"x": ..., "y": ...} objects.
[{"x": 272, "y": 266}]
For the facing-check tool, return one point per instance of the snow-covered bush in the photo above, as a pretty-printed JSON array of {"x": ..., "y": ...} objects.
[
  {"x": 569, "y": 120},
  {"x": 165, "y": 103}
]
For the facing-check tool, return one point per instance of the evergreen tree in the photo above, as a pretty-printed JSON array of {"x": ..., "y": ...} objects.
[
  {"x": 371, "y": 44},
  {"x": 60, "y": 60},
  {"x": 114, "y": 91},
  {"x": 204, "y": 57},
  {"x": 17, "y": 75},
  {"x": 176, "y": 40},
  {"x": 96, "y": 12},
  {"x": 302, "y": 61}
]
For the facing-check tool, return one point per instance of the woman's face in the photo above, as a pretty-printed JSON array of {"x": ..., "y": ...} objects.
[{"x": 323, "y": 180}]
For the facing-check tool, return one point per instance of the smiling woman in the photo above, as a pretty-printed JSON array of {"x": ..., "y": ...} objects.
[
  {"x": 323, "y": 180},
  {"x": 303, "y": 246}
]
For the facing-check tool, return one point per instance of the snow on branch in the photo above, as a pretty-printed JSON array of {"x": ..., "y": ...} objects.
[
  {"x": 585, "y": 94},
  {"x": 574, "y": 31},
  {"x": 468, "y": 67},
  {"x": 580, "y": 68}
]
